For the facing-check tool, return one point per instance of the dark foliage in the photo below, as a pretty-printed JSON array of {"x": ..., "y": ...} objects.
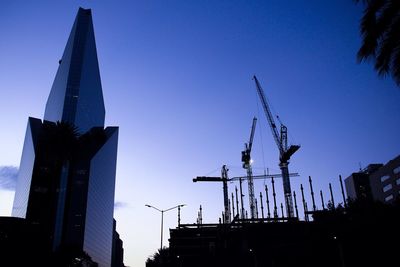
[
  {"x": 58, "y": 141},
  {"x": 67, "y": 257},
  {"x": 380, "y": 30},
  {"x": 159, "y": 259}
]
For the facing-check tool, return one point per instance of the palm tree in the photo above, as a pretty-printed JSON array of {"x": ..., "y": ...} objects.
[
  {"x": 380, "y": 30},
  {"x": 60, "y": 139}
]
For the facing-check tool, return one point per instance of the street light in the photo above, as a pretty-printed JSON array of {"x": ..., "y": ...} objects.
[{"x": 162, "y": 217}]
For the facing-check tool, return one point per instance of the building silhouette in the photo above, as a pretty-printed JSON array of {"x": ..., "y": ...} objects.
[
  {"x": 118, "y": 250},
  {"x": 66, "y": 181},
  {"x": 378, "y": 182},
  {"x": 358, "y": 185},
  {"x": 385, "y": 182},
  {"x": 359, "y": 235}
]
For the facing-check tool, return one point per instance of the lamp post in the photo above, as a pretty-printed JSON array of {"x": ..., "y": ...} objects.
[{"x": 162, "y": 217}]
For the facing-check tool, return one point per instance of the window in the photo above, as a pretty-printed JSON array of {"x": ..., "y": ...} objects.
[
  {"x": 79, "y": 182},
  {"x": 384, "y": 178},
  {"x": 388, "y": 198},
  {"x": 396, "y": 170},
  {"x": 387, "y": 187},
  {"x": 81, "y": 172},
  {"x": 40, "y": 189}
]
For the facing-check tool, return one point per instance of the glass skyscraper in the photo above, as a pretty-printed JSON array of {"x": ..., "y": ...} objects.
[{"x": 66, "y": 180}]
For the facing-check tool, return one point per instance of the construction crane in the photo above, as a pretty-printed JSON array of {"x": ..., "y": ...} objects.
[
  {"x": 224, "y": 179},
  {"x": 246, "y": 159},
  {"x": 284, "y": 152}
]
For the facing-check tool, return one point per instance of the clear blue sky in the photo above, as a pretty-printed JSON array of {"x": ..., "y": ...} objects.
[{"x": 176, "y": 78}]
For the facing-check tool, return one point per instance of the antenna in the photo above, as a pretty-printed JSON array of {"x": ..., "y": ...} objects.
[
  {"x": 266, "y": 195},
  {"x": 274, "y": 196},
  {"x": 233, "y": 205},
  {"x": 295, "y": 204},
  {"x": 312, "y": 193},
  {"x": 341, "y": 186},
  {"x": 262, "y": 206},
  {"x": 255, "y": 201},
  {"x": 333, "y": 201},
  {"x": 237, "y": 201}
]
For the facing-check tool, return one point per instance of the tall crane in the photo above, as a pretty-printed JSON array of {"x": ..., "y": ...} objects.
[
  {"x": 246, "y": 159},
  {"x": 285, "y": 153}
]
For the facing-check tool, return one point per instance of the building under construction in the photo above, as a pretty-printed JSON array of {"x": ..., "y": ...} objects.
[
  {"x": 352, "y": 233},
  {"x": 361, "y": 235},
  {"x": 253, "y": 244}
]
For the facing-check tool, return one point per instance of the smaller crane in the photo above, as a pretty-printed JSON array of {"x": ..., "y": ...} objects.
[
  {"x": 224, "y": 179},
  {"x": 246, "y": 159}
]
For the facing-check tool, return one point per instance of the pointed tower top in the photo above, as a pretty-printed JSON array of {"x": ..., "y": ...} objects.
[{"x": 76, "y": 95}]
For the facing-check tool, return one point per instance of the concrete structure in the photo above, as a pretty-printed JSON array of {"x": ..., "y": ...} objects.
[
  {"x": 118, "y": 250},
  {"x": 358, "y": 183},
  {"x": 385, "y": 182},
  {"x": 376, "y": 182},
  {"x": 334, "y": 238},
  {"x": 66, "y": 180}
]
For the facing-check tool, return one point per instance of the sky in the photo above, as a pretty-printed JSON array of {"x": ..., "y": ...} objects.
[{"x": 177, "y": 80}]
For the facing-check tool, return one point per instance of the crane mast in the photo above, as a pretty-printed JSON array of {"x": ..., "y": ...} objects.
[
  {"x": 284, "y": 152},
  {"x": 227, "y": 210},
  {"x": 246, "y": 159}
]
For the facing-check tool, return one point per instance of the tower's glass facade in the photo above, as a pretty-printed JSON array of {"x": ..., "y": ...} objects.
[
  {"x": 76, "y": 95},
  {"x": 20, "y": 204},
  {"x": 66, "y": 182},
  {"x": 98, "y": 227}
]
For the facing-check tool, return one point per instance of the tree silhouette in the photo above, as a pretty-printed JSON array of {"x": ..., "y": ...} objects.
[
  {"x": 159, "y": 259},
  {"x": 59, "y": 141},
  {"x": 380, "y": 30}
]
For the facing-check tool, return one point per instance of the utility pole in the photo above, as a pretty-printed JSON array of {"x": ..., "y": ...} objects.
[{"x": 162, "y": 218}]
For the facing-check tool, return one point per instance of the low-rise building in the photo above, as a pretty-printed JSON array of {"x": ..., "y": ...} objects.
[
  {"x": 385, "y": 182},
  {"x": 358, "y": 184},
  {"x": 379, "y": 182}
]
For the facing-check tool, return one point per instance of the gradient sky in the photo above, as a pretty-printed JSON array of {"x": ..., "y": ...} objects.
[{"x": 176, "y": 79}]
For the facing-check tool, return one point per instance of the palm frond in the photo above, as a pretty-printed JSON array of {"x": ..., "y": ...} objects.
[
  {"x": 369, "y": 30},
  {"x": 380, "y": 32},
  {"x": 387, "y": 46}
]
